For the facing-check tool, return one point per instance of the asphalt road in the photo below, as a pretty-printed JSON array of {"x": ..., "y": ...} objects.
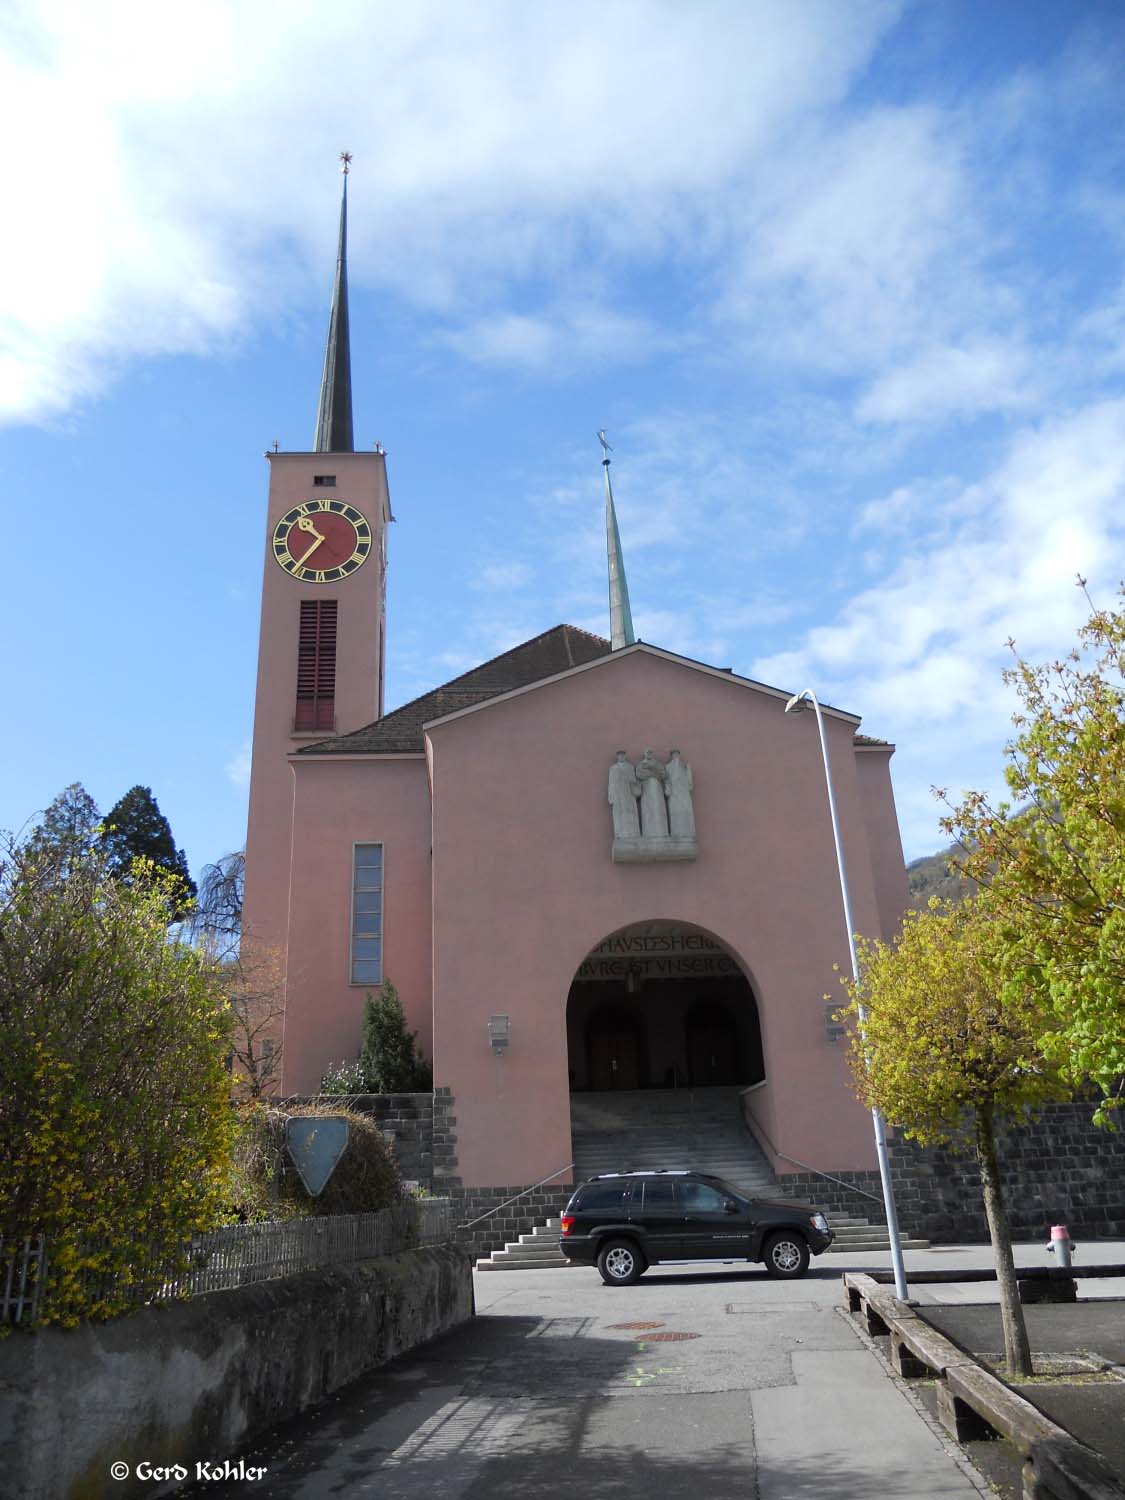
[{"x": 770, "y": 1396}]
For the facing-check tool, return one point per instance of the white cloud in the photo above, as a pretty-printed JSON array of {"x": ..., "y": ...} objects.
[
  {"x": 173, "y": 184},
  {"x": 944, "y": 381},
  {"x": 506, "y": 575},
  {"x": 861, "y": 241},
  {"x": 920, "y": 653},
  {"x": 581, "y": 335},
  {"x": 238, "y": 767}
]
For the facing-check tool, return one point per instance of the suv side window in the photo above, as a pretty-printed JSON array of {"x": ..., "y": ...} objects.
[
  {"x": 600, "y": 1195},
  {"x": 699, "y": 1198},
  {"x": 658, "y": 1193}
]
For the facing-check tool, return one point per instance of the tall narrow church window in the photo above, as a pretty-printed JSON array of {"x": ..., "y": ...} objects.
[
  {"x": 316, "y": 666},
  {"x": 367, "y": 914}
]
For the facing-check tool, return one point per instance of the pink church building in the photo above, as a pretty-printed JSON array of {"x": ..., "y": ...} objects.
[{"x": 562, "y": 922}]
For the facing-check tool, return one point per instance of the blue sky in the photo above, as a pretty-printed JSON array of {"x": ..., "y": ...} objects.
[{"x": 843, "y": 281}]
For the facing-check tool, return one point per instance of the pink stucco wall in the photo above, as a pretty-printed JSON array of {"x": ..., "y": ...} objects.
[
  {"x": 873, "y": 770},
  {"x": 341, "y": 803},
  {"x": 523, "y": 888},
  {"x": 361, "y": 481}
]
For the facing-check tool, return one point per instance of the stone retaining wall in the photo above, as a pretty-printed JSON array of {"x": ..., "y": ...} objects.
[
  {"x": 509, "y": 1222},
  {"x": 407, "y": 1120},
  {"x": 197, "y": 1381},
  {"x": 1060, "y": 1169},
  {"x": 837, "y": 1197}
]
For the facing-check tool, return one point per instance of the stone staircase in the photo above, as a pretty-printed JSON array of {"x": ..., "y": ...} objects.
[
  {"x": 854, "y": 1236},
  {"x": 539, "y": 1250},
  {"x": 693, "y": 1128},
  {"x": 696, "y": 1128}
]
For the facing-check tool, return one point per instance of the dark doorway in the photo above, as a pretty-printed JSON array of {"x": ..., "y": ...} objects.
[
  {"x": 661, "y": 1005},
  {"x": 711, "y": 1033},
  {"x": 614, "y": 1048}
]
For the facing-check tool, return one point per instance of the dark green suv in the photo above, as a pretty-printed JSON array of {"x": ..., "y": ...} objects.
[{"x": 624, "y": 1222}]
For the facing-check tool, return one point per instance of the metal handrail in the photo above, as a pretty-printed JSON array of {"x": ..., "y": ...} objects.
[
  {"x": 468, "y": 1224},
  {"x": 756, "y": 1129}
]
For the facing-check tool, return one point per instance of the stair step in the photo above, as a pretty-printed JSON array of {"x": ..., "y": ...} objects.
[
  {"x": 523, "y": 1263},
  {"x": 879, "y": 1242}
]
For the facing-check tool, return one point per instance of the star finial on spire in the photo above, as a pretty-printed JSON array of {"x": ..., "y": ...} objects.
[{"x": 345, "y": 162}]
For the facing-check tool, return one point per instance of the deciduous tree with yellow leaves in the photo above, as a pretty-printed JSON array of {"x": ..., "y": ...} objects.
[
  {"x": 1051, "y": 865},
  {"x": 946, "y": 1043}
]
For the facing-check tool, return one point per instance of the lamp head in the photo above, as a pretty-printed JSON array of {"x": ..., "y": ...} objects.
[
  {"x": 798, "y": 703},
  {"x": 499, "y": 1033}
]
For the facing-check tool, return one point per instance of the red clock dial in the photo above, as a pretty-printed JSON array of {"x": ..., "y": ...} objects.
[{"x": 321, "y": 541}]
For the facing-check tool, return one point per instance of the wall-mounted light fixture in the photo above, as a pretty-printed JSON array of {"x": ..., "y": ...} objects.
[
  {"x": 633, "y": 976},
  {"x": 499, "y": 1033}
]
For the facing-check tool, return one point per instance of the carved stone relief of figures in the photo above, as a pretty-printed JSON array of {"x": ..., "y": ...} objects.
[{"x": 653, "y": 813}]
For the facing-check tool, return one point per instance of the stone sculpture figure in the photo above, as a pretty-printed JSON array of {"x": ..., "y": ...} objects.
[
  {"x": 654, "y": 807},
  {"x": 678, "y": 787},
  {"x": 653, "y": 815},
  {"x": 624, "y": 792}
]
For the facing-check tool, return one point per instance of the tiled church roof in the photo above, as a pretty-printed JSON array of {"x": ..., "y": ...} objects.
[
  {"x": 400, "y": 731},
  {"x": 546, "y": 655}
]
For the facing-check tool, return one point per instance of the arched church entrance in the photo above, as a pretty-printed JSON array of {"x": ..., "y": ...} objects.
[{"x": 662, "y": 1005}]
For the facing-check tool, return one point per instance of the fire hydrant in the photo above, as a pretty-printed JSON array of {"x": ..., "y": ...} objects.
[{"x": 1061, "y": 1246}]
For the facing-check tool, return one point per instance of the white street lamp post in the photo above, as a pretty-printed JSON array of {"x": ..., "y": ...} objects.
[{"x": 795, "y": 705}]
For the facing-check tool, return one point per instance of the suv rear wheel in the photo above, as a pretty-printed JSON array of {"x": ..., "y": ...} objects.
[
  {"x": 620, "y": 1263},
  {"x": 786, "y": 1255}
]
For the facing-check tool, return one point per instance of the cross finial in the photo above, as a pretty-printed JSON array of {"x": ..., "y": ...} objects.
[{"x": 345, "y": 162}]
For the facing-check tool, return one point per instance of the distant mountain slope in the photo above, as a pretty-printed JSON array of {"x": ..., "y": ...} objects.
[{"x": 931, "y": 876}]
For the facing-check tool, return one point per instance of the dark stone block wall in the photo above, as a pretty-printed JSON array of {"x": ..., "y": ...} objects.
[
  {"x": 506, "y": 1223},
  {"x": 407, "y": 1120},
  {"x": 1059, "y": 1169},
  {"x": 859, "y": 1195}
]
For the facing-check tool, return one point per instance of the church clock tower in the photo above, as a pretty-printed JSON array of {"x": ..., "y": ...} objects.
[{"x": 320, "y": 647}]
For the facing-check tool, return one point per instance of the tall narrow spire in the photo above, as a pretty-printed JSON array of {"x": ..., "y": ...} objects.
[
  {"x": 620, "y": 615},
  {"x": 334, "y": 410}
]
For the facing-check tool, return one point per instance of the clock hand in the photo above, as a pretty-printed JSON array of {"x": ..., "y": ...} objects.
[{"x": 306, "y": 524}]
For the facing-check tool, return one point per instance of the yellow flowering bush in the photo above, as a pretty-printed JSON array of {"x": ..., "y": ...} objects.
[{"x": 115, "y": 1119}]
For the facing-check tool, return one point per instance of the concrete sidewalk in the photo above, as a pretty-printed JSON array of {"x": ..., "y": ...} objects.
[{"x": 697, "y": 1381}]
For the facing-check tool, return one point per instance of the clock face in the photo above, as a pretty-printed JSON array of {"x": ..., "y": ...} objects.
[{"x": 321, "y": 541}]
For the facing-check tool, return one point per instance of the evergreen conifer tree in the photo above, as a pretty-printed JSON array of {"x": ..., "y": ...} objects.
[
  {"x": 389, "y": 1054},
  {"x": 136, "y": 829},
  {"x": 65, "y": 834}
]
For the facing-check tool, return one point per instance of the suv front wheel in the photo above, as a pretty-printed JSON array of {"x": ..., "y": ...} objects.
[
  {"x": 786, "y": 1254},
  {"x": 620, "y": 1263}
]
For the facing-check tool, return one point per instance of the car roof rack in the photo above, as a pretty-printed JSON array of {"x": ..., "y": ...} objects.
[{"x": 649, "y": 1172}]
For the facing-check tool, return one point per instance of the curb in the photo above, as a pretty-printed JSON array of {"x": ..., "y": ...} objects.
[{"x": 972, "y": 1401}]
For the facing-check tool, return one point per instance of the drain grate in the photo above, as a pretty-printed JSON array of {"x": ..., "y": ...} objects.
[
  {"x": 669, "y": 1338},
  {"x": 628, "y": 1327}
]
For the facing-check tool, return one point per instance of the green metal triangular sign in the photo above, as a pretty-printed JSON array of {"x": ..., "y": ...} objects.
[{"x": 316, "y": 1144}]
